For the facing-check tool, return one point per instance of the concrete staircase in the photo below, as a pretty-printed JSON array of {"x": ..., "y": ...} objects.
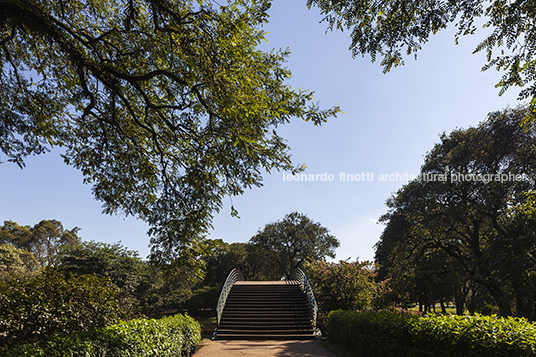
[{"x": 266, "y": 310}]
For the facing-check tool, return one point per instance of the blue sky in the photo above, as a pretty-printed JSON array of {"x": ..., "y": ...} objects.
[{"x": 390, "y": 122}]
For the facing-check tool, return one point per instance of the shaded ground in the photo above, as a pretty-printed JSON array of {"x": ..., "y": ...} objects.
[
  {"x": 312, "y": 348},
  {"x": 208, "y": 324}
]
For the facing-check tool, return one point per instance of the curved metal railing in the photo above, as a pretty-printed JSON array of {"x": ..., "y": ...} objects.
[
  {"x": 234, "y": 276},
  {"x": 299, "y": 275}
]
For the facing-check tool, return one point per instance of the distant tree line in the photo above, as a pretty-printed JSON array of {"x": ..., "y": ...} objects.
[{"x": 193, "y": 281}]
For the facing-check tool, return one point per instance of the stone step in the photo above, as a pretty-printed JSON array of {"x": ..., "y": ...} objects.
[
  {"x": 265, "y": 311},
  {"x": 271, "y": 336}
]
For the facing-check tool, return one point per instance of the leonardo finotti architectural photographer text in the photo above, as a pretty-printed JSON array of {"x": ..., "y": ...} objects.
[{"x": 402, "y": 177}]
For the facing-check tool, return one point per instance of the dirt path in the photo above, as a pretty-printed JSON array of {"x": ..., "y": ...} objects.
[{"x": 210, "y": 348}]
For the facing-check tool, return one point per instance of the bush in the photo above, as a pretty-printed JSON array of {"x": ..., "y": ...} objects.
[
  {"x": 171, "y": 336},
  {"x": 403, "y": 334},
  {"x": 38, "y": 306},
  {"x": 475, "y": 336},
  {"x": 344, "y": 285},
  {"x": 124, "y": 267},
  {"x": 372, "y": 334}
]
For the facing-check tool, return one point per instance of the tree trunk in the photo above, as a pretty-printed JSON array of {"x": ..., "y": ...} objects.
[
  {"x": 500, "y": 299},
  {"x": 443, "y": 308},
  {"x": 459, "y": 301}
]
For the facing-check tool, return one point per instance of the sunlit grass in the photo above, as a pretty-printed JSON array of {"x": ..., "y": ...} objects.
[{"x": 451, "y": 310}]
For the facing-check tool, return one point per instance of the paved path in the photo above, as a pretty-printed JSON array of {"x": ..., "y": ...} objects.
[{"x": 312, "y": 348}]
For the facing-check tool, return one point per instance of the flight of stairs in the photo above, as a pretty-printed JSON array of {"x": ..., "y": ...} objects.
[{"x": 266, "y": 310}]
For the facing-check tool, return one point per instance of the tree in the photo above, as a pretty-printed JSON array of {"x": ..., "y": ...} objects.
[
  {"x": 288, "y": 244},
  {"x": 44, "y": 240},
  {"x": 471, "y": 203},
  {"x": 14, "y": 261},
  {"x": 222, "y": 261},
  {"x": 166, "y": 107},
  {"x": 390, "y": 28},
  {"x": 123, "y": 267}
]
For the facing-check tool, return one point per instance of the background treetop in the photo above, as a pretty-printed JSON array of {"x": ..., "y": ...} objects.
[
  {"x": 283, "y": 246},
  {"x": 165, "y": 107},
  {"x": 42, "y": 242},
  {"x": 392, "y": 28}
]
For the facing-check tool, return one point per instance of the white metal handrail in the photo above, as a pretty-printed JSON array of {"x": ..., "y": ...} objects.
[
  {"x": 234, "y": 276},
  {"x": 302, "y": 279}
]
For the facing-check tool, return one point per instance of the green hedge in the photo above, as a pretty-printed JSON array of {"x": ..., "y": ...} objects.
[
  {"x": 371, "y": 333},
  {"x": 402, "y": 334},
  {"x": 171, "y": 336},
  {"x": 475, "y": 336},
  {"x": 37, "y": 306}
]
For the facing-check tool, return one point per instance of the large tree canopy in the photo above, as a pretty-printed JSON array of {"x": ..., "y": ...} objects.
[
  {"x": 471, "y": 213},
  {"x": 392, "y": 28},
  {"x": 286, "y": 245},
  {"x": 165, "y": 106}
]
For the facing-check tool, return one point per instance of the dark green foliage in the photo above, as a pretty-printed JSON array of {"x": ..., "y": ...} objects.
[
  {"x": 475, "y": 336},
  {"x": 343, "y": 285},
  {"x": 163, "y": 296},
  {"x": 37, "y": 306},
  {"x": 283, "y": 246},
  {"x": 204, "y": 297},
  {"x": 150, "y": 286},
  {"x": 385, "y": 334},
  {"x": 465, "y": 228},
  {"x": 221, "y": 262},
  {"x": 173, "y": 336},
  {"x": 140, "y": 283},
  {"x": 370, "y": 333},
  {"x": 15, "y": 261},
  {"x": 124, "y": 268}
]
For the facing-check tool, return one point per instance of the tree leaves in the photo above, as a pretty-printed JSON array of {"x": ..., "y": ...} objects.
[
  {"x": 288, "y": 244},
  {"x": 165, "y": 107},
  {"x": 392, "y": 28},
  {"x": 42, "y": 242}
]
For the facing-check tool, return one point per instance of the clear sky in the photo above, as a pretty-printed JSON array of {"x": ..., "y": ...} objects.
[{"x": 390, "y": 122}]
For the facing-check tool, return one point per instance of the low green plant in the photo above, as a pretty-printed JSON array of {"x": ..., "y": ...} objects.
[
  {"x": 474, "y": 335},
  {"x": 371, "y": 333},
  {"x": 170, "y": 336},
  {"x": 396, "y": 333},
  {"x": 39, "y": 305}
]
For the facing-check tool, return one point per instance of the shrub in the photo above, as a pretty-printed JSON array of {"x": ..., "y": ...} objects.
[
  {"x": 403, "y": 334},
  {"x": 344, "y": 285},
  {"x": 37, "y": 306},
  {"x": 171, "y": 336},
  {"x": 474, "y": 336},
  {"x": 371, "y": 334}
]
